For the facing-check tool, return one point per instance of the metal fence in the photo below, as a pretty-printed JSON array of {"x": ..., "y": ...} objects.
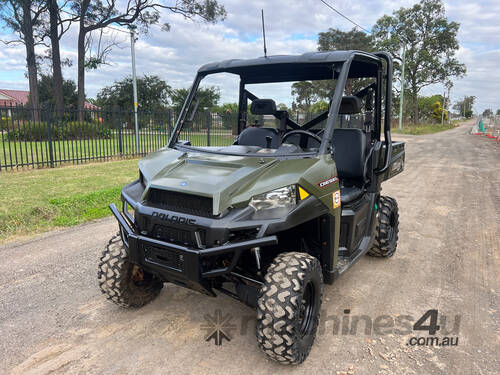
[
  {"x": 37, "y": 138},
  {"x": 43, "y": 137}
]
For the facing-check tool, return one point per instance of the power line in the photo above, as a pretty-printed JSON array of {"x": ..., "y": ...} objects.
[{"x": 347, "y": 18}]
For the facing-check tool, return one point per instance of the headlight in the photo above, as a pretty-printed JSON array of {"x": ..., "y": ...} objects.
[{"x": 282, "y": 197}]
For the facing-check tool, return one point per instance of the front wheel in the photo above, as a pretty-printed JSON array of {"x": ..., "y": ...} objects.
[
  {"x": 122, "y": 282},
  {"x": 386, "y": 238},
  {"x": 288, "y": 307}
]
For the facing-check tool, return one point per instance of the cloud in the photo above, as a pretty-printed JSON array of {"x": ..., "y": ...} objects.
[
  {"x": 481, "y": 81},
  {"x": 291, "y": 28}
]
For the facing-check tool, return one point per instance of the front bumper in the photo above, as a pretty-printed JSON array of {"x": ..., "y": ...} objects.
[{"x": 181, "y": 264}]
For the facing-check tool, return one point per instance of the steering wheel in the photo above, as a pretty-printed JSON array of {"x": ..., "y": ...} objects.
[{"x": 303, "y": 132}]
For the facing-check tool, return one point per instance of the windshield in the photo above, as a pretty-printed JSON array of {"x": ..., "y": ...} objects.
[{"x": 226, "y": 116}]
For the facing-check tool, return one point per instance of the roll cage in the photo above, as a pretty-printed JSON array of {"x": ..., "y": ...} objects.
[{"x": 339, "y": 65}]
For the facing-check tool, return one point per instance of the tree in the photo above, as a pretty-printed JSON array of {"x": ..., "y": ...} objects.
[
  {"x": 283, "y": 107},
  {"x": 336, "y": 39},
  {"x": 24, "y": 17},
  {"x": 487, "y": 112},
  {"x": 498, "y": 112},
  {"x": 98, "y": 46},
  {"x": 95, "y": 15},
  {"x": 305, "y": 94},
  {"x": 464, "y": 106},
  {"x": 228, "y": 113},
  {"x": 153, "y": 93},
  {"x": 47, "y": 92},
  {"x": 226, "y": 109},
  {"x": 431, "y": 44},
  {"x": 208, "y": 97},
  {"x": 437, "y": 111},
  {"x": 426, "y": 106},
  {"x": 57, "y": 27},
  {"x": 319, "y": 107}
]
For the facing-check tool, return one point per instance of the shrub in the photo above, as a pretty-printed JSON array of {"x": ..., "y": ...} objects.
[
  {"x": 3, "y": 123},
  {"x": 229, "y": 120},
  {"x": 71, "y": 130}
]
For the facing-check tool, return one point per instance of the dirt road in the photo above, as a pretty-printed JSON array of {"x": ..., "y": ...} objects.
[{"x": 54, "y": 319}]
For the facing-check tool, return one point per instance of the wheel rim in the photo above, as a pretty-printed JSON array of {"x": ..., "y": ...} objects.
[
  {"x": 306, "y": 313},
  {"x": 392, "y": 223},
  {"x": 140, "y": 278}
]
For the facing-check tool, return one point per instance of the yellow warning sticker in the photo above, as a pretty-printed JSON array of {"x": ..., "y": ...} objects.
[
  {"x": 302, "y": 193},
  {"x": 336, "y": 199}
]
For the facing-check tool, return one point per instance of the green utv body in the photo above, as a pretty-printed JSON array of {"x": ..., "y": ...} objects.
[{"x": 271, "y": 218}]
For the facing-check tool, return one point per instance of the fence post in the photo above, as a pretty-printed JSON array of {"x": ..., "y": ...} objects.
[
  {"x": 120, "y": 147},
  {"x": 169, "y": 122},
  {"x": 49, "y": 136},
  {"x": 209, "y": 122}
]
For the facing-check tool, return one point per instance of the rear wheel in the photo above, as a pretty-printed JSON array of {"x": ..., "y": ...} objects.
[
  {"x": 122, "y": 282},
  {"x": 386, "y": 238},
  {"x": 288, "y": 307}
]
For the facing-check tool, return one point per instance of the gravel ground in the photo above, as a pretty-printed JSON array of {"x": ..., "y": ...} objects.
[{"x": 53, "y": 319}]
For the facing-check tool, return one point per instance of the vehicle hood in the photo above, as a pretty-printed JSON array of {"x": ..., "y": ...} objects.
[{"x": 229, "y": 180}]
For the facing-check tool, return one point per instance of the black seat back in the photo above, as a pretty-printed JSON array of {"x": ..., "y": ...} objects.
[
  {"x": 350, "y": 105},
  {"x": 350, "y": 150},
  {"x": 254, "y": 136},
  {"x": 263, "y": 107}
]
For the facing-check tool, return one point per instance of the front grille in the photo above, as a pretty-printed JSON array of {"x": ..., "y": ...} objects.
[
  {"x": 181, "y": 202},
  {"x": 176, "y": 235},
  {"x": 164, "y": 257}
]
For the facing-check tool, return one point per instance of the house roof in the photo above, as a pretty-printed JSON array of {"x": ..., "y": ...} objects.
[
  {"x": 20, "y": 97},
  {"x": 91, "y": 106}
]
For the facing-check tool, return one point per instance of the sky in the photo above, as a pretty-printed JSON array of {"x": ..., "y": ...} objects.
[{"x": 292, "y": 27}]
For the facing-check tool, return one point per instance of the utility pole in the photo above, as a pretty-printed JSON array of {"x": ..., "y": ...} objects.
[
  {"x": 134, "y": 85},
  {"x": 442, "y": 108},
  {"x": 448, "y": 85},
  {"x": 401, "y": 96}
]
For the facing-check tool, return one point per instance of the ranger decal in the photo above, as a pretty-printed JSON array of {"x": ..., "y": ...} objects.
[{"x": 331, "y": 180}]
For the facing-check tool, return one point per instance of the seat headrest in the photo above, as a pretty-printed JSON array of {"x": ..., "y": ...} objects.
[
  {"x": 350, "y": 105},
  {"x": 263, "y": 107}
]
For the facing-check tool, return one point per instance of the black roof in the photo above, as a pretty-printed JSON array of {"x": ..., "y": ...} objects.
[{"x": 308, "y": 66}]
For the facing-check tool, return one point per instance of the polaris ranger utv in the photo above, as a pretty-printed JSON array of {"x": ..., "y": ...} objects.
[{"x": 277, "y": 212}]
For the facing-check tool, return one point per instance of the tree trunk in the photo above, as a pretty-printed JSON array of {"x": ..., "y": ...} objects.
[
  {"x": 414, "y": 93},
  {"x": 29, "y": 43},
  {"x": 415, "y": 109},
  {"x": 81, "y": 69},
  {"x": 57, "y": 78}
]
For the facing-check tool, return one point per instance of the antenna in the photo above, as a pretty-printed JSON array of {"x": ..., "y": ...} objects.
[{"x": 264, "y": 33}]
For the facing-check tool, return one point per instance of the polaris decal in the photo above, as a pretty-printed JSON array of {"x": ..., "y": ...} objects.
[
  {"x": 331, "y": 180},
  {"x": 174, "y": 219}
]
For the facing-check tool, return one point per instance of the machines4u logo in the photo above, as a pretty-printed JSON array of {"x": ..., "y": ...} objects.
[{"x": 218, "y": 327}]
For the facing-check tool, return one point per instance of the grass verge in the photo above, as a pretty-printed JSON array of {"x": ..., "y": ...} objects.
[
  {"x": 36, "y": 201},
  {"x": 422, "y": 129}
]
